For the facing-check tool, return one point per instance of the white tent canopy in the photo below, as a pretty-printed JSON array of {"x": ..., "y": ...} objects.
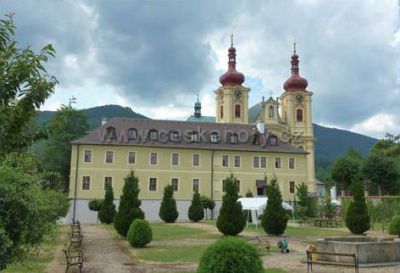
[{"x": 256, "y": 206}]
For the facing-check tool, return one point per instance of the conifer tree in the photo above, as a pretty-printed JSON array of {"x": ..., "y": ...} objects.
[
  {"x": 275, "y": 218},
  {"x": 357, "y": 217},
  {"x": 168, "y": 212},
  {"x": 196, "y": 212},
  {"x": 107, "y": 209},
  {"x": 231, "y": 220},
  {"x": 129, "y": 205}
]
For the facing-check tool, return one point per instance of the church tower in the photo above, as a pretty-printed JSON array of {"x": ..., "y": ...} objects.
[
  {"x": 296, "y": 112},
  {"x": 232, "y": 97}
]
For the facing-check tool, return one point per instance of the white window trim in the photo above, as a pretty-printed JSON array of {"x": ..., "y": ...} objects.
[
  {"x": 104, "y": 182},
  {"x": 148, "y": 185},
  {"x": 127, "y": 159},
  {"x": 178, "y": 182},
  {"x": 294, "y": 167},
  {"x": 234, "y": 161},
  {"x": 222, "y": 161},
  {"x": 158, "y": 158},
  {"x": 266, "y": 162},
  {"x": 193, "y": 178},
  {"x": 90, "y": 183},
  {"x": 105, "y": 157},
  {"x": 179, "y": 159},
  {"x": 252, "y": 162},
  {"x": 280, "y": 167},
  {"x": 91, "y": 157},
  {"x": 196, "y": 166}
]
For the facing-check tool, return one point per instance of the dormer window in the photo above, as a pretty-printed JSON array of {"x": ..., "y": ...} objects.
[
  {"x": 271, "y": 111},
  {"x": 194, "y": 137},
  {"x": 273, "y": 140},
  {"x": 234, "y": 138},
  {"x": 111, "y": 133},
  {"x": 153, "y": 134},
  {"x": 214, "y": 137},
  {"x": 132, "y": 134},
  {"x": 174, "y": 135}
]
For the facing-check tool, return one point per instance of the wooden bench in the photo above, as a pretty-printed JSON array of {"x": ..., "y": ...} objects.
[
  {"x": 263, "y": 243},
  {"x": 74, "y": 258},
  {"x": 310, "y": 261}
]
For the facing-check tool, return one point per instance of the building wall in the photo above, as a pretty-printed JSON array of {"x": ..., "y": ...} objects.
[{"x": 164, "y": 171}]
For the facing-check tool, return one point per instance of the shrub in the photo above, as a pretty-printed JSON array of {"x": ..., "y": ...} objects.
[
  {"x": 196, "y": 212},
  {"x": 274, "y": 218},
  {"x": 139, "y": 233},
  {"x": 208, "y": 204},
  {"x": 129, "y": 205},
  {"x": 357, "y": 217},
  {"x": 168, "y": 212},
  {"x": 231, "y": 220},
  {"x": 231, "y": 255},
  {"x": 107, "y": 209},
  {"x": 394, "y": 227},
  {"x": 95, "y": 204}
]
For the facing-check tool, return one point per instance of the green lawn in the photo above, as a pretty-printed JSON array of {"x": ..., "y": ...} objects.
[
  {"x": 163, "y": 231},
  {"x": 171, "y": 254}
]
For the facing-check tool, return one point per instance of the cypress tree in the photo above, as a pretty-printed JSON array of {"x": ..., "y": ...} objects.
[
  {"x": 129, "y": 205},
  {"x": 231, "y": 220},
  {"x": 107, "y": 209},
  {"x": 168, "y": 212},
  {"x": 275, "y": 218},
  {"x": 357, "y": 217},
  {"x": 196, "y": 212}
]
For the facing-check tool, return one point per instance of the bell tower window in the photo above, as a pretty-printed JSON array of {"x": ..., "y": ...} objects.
[
  {"x": 271, "y": 111},
  {"x": 299, "y": 115},
  {"x": 221, "y": 113},
  {"x": 237, "y": 111}
]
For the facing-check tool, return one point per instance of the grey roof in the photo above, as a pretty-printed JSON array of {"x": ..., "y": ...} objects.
[
  {"x": 201, "y": 119},
  {"x": 254, "y": 112},
  {"x": 247, "y": 135}
]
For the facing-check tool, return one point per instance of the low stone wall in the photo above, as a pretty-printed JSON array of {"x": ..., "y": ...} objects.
[{"x": 368, "y": 250}]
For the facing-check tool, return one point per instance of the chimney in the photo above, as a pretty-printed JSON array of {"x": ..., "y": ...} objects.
[{"x": 103, "y": 121}]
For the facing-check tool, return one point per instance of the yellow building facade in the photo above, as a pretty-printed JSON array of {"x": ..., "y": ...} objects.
[{"x": 198, "y": 154}]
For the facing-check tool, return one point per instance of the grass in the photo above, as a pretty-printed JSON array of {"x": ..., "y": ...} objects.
[
  {"x": 171, "y": 254},
  {"x": 37, "y": 263},
  {"x": 163, "y": 231}
]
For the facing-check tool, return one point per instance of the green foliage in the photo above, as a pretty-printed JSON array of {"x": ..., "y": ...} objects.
[
  {"x": 139, "y": 233},
  {"x": 231, "y": 255},
  {"x": 305, "y": 206},
  {"x": 208, "y": 204},
  {"x": 95, "y": 204},
  {"x": 249, "y": 194},
  {"x": 129, "y": 205},
  {"x": 394, "y": 227},
  {"x": 381, "y": 171},
  {"x": 107, "y": 210},
  {"x": 25, "y": 85},
  {"x": 274, "y": 219},
  {"x": 328, "y": 210},
  {"x": 168, "y": 212},
  {"x": 344, "y": 170},
  {"x": 231, "y": 220},
  {"x": 357, "y": 217},
  {"x": 196, "y": 211},
  {"x": 27, "y": 211}
]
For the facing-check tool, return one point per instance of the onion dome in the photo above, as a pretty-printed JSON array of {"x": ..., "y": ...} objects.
[
  {"x": 231, "y": 77},
  {"x": 295, "y": 82}
]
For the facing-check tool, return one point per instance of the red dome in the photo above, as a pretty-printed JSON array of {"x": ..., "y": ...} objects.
[
  {"x": 231, "y": 77},
  {"x": 295, "y": 82}
]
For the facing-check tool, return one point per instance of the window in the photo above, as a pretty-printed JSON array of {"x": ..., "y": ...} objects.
[
  {"x": 86, "y": 183},
  {"x": 175, "y": 159},
  {"x": 271, "y": 111},
  {"x": 153, "y": 184},
  {"x": 237, "y": 182},
  {"x": 196, "y": 184},
  {"x": 237, "y": 161},
  {"x": 111, "y": 133},
  {"x": 109, "y": 157},
  {"x": 194, "y": 137},
  {"x": 301, "y": 148},
  {"x": 107, "y": 182},
  {"x": 221, "y": 112},
  {"x": 153, "y": 158},
  {"x": 88, "y": 156},
  {"x": 174, "y": 136},
  {"x": 131, "y": 157},
  {"x": 256, "y": 162},
  {"x": 153, "y": 134},
  {"x": 132, "y": 134},
  {"x": 233, "y": 138},
  {"x": 273, "y": 140},
  {"x": 214, "y": 137},
  {"x": 277, "y": 162},
  {"x": 291, "y": 163},
  {"x": 225, "y": 161},
  {"x": 237, "y": 111},
  {"x": 299, "y": 115},
  {"x": 196, "y": 160},
  {"x": 174, "y": 183},
  {"x": 263, "y": 162},
  {"x": 292, "y": 186}
]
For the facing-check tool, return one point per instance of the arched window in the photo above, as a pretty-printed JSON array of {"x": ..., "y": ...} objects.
[
  {"x": 111, "y": 133},
  {"x": 132, "y": 134},
  {"x": 194, "y": 137},
  {"x": 299, "y": 115},
  {"x": 174, "y": 136},
  {"x": 273, "y": 140},
  {"x": 221, "y": 114},
  {"x": 271, "y": 111},
  {"x": 214, "y": 137},
  {"x": 153, "y": 134},
  {"x": 237, "y": 111}
]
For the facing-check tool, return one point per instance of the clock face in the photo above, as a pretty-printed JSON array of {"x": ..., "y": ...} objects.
[
  {"x": 238, "y": 94},
  {"x": 299, "y": 99}
]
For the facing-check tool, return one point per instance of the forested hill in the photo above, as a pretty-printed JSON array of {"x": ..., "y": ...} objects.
[{"x": 330, "y": 143}]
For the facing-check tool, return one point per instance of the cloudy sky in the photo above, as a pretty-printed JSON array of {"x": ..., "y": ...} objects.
[{"x": 155, "y": 56}]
